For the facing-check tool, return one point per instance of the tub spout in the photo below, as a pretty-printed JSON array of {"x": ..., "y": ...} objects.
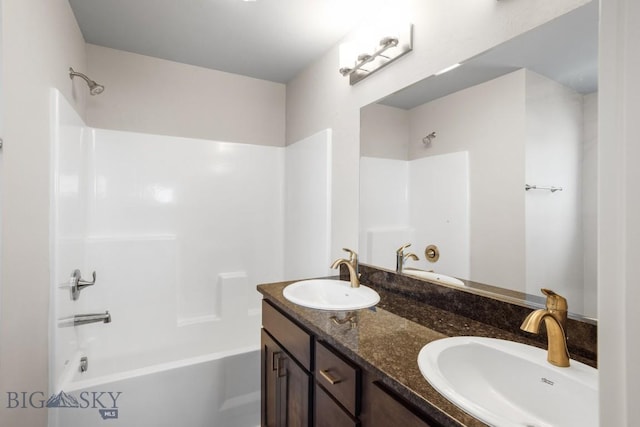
[{"x": 85, "y": 319}]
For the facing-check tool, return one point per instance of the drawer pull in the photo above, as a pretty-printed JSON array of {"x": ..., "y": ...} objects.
[{"x": 328, "y": 377}]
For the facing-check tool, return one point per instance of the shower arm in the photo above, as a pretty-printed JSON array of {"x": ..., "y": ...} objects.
[{"x": 94, "y": 88}]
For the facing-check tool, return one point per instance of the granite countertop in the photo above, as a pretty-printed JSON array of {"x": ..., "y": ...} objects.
[
  {"x": 386, "y": 339},
  {"x": 389, "y": 343}
]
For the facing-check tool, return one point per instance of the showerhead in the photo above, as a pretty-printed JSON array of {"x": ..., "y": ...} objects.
[{"x": 94, "y": 88}]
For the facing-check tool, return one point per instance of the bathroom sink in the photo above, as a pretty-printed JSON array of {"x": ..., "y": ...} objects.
[
  {"x": 327, "y": 294},
  {"x": 504, "y": 383},
  {"x": 433, "y": 277}
]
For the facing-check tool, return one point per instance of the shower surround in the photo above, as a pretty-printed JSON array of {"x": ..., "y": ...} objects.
[{"x": 179, "y": 232}]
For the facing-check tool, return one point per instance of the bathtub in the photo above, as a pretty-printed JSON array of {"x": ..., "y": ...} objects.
[{"x": 215, "y": 390}]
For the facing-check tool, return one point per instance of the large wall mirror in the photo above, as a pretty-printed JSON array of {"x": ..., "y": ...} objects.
[{"x": 493, "y": 161}]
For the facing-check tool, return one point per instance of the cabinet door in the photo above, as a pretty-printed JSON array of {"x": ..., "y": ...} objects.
[
  {"x": 268, "y": 378},
  {"x": 329, "y": 414},
  {"x": 381, "y": 408},
  {"x": 285, "y": 388}
]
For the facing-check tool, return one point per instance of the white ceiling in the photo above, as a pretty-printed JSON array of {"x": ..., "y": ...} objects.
[
  {"x": 266, "y": 39},
  {"x": 276, "y": 39},
  {"x": 564, "y": 49}
]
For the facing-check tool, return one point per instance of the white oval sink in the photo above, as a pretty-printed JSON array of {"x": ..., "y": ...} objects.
[
  {"x": 504, "y": 383},
  {"x": 327, "y": 294},
  {"x": 433, "y": 277}
]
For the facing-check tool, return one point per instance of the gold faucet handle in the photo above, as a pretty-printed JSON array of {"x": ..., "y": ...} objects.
[
  {"x": 554, "y": 301},
  {"x": 353, "y": 256},
  {"x": 401, "y": 249}
]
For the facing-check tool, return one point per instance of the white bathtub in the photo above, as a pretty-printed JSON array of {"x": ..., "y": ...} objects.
[{"x": 216, "y": 390}]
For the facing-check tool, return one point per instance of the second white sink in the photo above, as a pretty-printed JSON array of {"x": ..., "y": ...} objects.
[
  {"x": 327, "y": 294},
  {"x": 433, "y": 277},
  {"x": 504, "y": 383}
]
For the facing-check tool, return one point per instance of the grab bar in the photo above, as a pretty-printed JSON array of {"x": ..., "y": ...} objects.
[{"x": 85, "y": 319}]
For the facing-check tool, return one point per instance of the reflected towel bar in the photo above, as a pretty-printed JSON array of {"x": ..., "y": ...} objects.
[{"x": 528, "y": 187}]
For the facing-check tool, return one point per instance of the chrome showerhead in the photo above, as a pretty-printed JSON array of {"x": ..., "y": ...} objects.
[{"x": 94, "y": 88}]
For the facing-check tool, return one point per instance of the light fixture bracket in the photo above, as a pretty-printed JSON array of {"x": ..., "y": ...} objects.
[{"x": 388, "y": 49}]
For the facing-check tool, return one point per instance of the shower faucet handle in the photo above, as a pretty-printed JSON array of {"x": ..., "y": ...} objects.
[{"x": 78, "y": 284}]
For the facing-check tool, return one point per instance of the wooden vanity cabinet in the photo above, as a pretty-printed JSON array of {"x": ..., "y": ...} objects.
[
  {"x": 306, "y": 382},
  {"x": 285, "y": 388},
  {"x": 383, "y": 408},
  {"x": 286, "y": 380}
]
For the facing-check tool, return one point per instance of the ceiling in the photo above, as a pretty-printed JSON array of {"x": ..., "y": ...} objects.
[
  {"x": 564, "y": 49},
  {"x": 266, "y": 39}
]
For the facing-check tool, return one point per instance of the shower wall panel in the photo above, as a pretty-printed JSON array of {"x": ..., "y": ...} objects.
[
  {"x": 308, "y": 207},
  {"x": 69, "y": 156},
  {"x": 179, "y": 232}
]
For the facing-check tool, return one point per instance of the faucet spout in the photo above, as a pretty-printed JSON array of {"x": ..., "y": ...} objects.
[
  {"x": 401, "y": 257},
  {"x": 352, "y": 266},
  {"x": 554, "y": 317},
  {"x": 83, "y": 319}
]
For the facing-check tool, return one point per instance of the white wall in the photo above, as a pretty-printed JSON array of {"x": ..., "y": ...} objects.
[
  {"x": 152, "y": 95},
  {"x": 619, "y": 213},
  {"x": 439, "y": 211},
  {"x": 423, "y": 202},
  {"x": 384, "y": 208},
  {"x": 554, "y": 230},
  {"x": 70, "y": 147},
  {"x": 179, "y": 232},
  {"x": 41, "y": 40},
  {"x": 444, "y": 33},
  {"x": 307, "y": 208},
  {"x": 590, "y": 203}
]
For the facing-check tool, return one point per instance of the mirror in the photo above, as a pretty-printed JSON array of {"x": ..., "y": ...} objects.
[{"x": 493, "y": 161}]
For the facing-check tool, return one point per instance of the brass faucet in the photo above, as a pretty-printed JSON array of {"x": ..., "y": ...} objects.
[
  {"x": 352, "y": 266},
  {"x": 555, "y": 320},
  {"x": 401, "y": 257}
]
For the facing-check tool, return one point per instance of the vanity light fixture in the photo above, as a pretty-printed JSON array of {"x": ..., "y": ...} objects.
[{"x": 388, "y": 49}]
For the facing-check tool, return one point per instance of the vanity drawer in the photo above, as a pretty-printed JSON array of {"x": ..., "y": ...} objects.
[
  {"x": 340, "y": 378},
  {"x": 288, "y": 334}
]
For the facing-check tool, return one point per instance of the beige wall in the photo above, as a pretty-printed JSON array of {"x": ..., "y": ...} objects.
[
  {"x": 320, "y": 98},
  {"x": 151, "y": 95},
  {"x": 485, "y": 119},
  {"x": 41, "y": 40},
  {"x": 384, "y": 132},
  {"x": 444, "y": 33}
]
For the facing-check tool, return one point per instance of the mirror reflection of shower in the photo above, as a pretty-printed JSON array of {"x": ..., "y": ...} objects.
[{"x": 94, "y": 88}]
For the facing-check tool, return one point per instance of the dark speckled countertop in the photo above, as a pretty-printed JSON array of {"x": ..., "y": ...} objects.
[{"x": 387, "y": 339}]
